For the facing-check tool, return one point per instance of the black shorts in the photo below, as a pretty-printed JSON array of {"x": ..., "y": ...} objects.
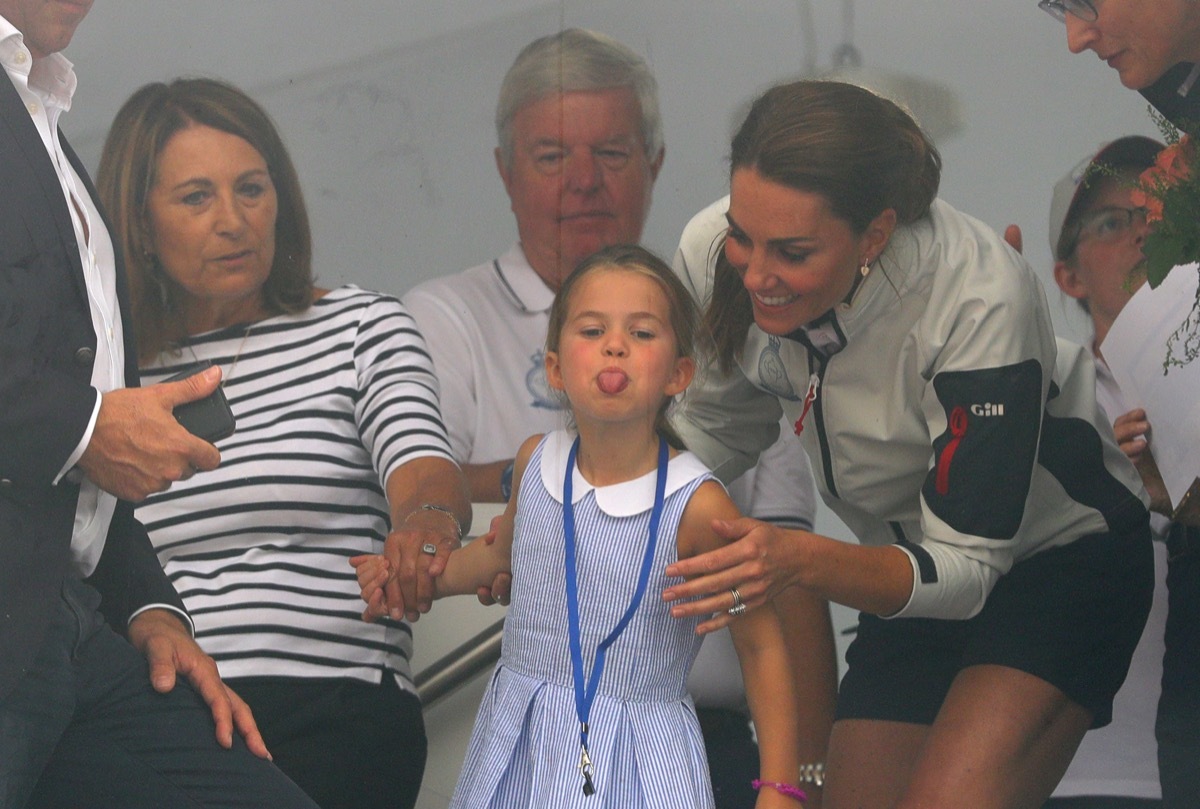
[{"x": 1070, "y": 615}]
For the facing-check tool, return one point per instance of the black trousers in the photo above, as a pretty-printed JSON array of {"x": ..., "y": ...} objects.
[
  {"x": 84, "y": 728},
  {"x": 348, "y": 744},
  {"x": 732, "y": 757},
  {"x": 1178, "y": 725}
]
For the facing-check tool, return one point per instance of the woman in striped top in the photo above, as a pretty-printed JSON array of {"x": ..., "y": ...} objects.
[
  {"x": 588, "y": 706},
  {"x": 339, "y": 440}
]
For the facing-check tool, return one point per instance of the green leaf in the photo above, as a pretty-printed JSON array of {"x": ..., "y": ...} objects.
[{"x": 1164, "y": 253}]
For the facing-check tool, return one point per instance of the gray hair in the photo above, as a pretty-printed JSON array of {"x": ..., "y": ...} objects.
[{"x": 575, "y": 60}]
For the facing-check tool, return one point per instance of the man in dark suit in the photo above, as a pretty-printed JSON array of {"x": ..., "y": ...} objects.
[{"x": 92, "y": 634}]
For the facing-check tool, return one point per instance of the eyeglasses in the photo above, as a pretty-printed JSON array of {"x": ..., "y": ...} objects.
[
  {"x": 1107, "y": 225},
  {"x": 1059, "y": 9}
]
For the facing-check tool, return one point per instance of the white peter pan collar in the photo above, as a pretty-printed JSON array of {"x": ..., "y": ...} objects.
[{"x": 620, "y": 499}]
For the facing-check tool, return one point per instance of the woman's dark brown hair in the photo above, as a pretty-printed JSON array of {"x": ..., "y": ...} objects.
[
  {"x": 859, "y": 151},
  {"x": 139, "y": 133}
]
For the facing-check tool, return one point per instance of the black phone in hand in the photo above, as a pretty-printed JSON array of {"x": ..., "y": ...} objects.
[{"x": 209, "y": 418}]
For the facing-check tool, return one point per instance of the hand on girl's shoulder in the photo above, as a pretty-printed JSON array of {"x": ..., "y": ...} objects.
[{"x": 696, "y": 534}]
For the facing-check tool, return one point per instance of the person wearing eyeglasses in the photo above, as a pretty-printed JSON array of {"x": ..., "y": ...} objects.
[
  {"x": 1096, "y": 236},
  {"x": 1154, "y": 45}
]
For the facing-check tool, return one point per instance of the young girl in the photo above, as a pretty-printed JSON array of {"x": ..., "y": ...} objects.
[{"x": 587, "y": 707}]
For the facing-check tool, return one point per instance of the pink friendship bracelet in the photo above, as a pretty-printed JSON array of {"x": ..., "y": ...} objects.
[{"x": 783, "y": 789}]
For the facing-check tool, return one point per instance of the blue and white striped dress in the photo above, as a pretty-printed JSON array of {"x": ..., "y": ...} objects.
[{"x": 644, "y": 739}]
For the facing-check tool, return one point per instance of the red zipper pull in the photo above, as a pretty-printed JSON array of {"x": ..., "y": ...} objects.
[
  {"x": 814, "y": 382},
  {"x": 958, "y": 429}
]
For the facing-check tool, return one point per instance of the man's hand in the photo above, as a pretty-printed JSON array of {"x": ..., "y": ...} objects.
[
  {"x": 138, "y": 448},
  {"x": 161, "y": 636}
]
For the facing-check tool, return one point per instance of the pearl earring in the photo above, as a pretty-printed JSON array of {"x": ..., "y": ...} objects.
[{"x": 865, "y": 268}]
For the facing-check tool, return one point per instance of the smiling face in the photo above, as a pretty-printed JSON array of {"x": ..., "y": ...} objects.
[
  {"x": 211, "y": 214},
  {"x": 579, "y": 178},
  {"x": 616, "y": 358},
  {"x": 46, "y": 25},
  {"x": 796, "y": 258},
  {"x": 1140, "y": 39}
]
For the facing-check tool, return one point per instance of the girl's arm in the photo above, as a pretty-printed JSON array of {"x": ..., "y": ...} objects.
[
  {"x": 812, "y": 654},
  {"x": 467, "y": 569},
  {"x": 763, "y": 654},
  {"x": 476, "y": 566}
]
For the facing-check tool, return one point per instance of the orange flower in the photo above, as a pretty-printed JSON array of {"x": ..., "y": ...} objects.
[
  {"x": 1172, "y": 162},
  {"x": 1171, "y": 167},
  {"x": 1141, "y": 198}
]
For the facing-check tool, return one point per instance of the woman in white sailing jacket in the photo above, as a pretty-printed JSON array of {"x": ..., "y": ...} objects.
[{"x": 1004, "y": 567}]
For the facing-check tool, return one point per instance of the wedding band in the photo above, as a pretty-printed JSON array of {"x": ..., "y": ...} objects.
[
  {"x": 429, "y": 548},
  {"x": 736, "y": 611},
  {"x": 737, "y": 597}
]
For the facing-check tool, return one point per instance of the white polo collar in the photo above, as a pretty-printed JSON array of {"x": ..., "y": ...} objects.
[{"x": 527, "y": 289}]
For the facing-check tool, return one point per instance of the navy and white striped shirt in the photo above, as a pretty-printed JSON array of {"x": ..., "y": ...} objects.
[{"x": 328, "y": 403}]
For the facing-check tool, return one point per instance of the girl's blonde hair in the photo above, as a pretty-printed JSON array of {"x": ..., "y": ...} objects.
[{"x": 685, "y": 319}]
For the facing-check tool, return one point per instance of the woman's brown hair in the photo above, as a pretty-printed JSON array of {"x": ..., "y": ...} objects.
[
  {"x": 859, "y": 151},
  {"x": 139, "y": 133}
]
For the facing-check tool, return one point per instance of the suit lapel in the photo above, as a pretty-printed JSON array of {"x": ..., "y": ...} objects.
[{"x": 25, "y": 139}]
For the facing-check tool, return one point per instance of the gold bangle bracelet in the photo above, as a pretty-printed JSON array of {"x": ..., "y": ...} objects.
[{"x": 458, "y": 531}]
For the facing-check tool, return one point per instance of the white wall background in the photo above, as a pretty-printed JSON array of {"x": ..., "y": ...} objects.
[
  {"x": 387, "y": 104},
  {"x": 387, "y": 108}
]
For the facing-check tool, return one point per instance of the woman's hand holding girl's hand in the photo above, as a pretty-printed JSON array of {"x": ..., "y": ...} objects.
[
  {"x": 759, "y": 562},
  {"x": 373, "y": 573}
]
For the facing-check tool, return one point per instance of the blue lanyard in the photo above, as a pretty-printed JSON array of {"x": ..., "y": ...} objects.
[{"x": 585, "y": 695}]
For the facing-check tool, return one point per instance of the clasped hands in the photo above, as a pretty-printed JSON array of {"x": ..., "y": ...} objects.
[{"x": 399, "y": 583}]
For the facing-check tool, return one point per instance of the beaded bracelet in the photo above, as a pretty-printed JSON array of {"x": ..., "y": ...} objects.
[{"x": 787, "y": 790}]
